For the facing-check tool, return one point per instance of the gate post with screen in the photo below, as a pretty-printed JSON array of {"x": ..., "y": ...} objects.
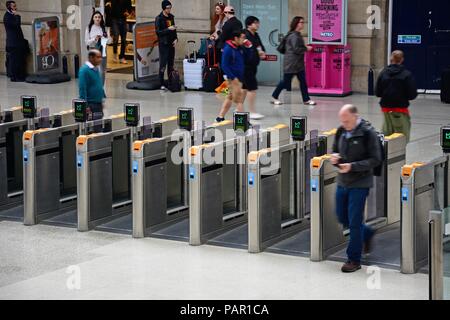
[
  {"x": 47, "y": 57},
  {"x": 328, "y": 65},
  {"x": 146, "y": 57}
]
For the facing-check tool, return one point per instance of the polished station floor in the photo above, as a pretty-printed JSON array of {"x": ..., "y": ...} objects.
[{"x": 45, "y": 262}]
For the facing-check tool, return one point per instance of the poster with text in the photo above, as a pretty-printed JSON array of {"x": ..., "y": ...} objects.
[
  {"x": 47, "y": 44},
  {"x": 146, "y": 50},
  {"x": 328, "y": 22}
]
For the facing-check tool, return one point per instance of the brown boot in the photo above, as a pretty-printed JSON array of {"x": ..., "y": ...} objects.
[{"x": 350, "y": 267}]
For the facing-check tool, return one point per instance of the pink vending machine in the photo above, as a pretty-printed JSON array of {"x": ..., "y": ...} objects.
[{"x": 328, "y": 70}]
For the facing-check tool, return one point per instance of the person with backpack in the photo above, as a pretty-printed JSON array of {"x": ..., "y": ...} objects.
[
  {"x": 233, "y": 68},
  {"x": 357, "y": 153},
  {"x": 255, "y": 51},
  {"x": 293, "y": 47},
  {"x": 168, "y": 39},
  {"x": 396, "y": 87}
]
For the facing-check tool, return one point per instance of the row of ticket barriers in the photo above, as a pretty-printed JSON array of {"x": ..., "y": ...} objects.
[{"x": 227, "y": 184}]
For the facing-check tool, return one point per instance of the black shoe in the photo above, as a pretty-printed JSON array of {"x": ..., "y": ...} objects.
[
  {"x": 350, "y": 267},
  {"x": 219, "y": 119}
]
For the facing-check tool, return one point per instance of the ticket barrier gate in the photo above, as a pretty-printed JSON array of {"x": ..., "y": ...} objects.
[
  {"x": 104, "y": 177},
  {"x": 218, "y": 187},
  {"x": 278, "y": 195},
  {"x": 160, "y": 181},
  {"x": 328, "y": 238},
  {"x": 50, "y": 173},
  {"x": 425, "y": 188},
  {"x": 12, "y": 128}
]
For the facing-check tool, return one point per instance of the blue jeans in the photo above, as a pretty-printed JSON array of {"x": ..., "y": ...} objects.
[
  {"x": 350, "y": 205},
  {"x": 286, "y": 83}
]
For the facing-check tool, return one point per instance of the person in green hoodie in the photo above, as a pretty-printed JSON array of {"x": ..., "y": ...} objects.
[{"x": 91, "y": 84}]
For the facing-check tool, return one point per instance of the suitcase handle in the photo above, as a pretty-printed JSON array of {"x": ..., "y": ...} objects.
[{"x": 188, "y": 46}]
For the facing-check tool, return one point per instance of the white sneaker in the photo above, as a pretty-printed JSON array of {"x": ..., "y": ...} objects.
[
  {"x": 277, "y": 103},
  {"x": 256, "y": 116},
  {"x": 310, "y": 103},
  {"x": 164, "y": 89},
  {"x": 124, "y": 61}
]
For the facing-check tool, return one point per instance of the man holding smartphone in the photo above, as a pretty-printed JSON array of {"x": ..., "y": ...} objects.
[
  {"x": 356, "y": 152},
  {"x": 168, "y": 39}
]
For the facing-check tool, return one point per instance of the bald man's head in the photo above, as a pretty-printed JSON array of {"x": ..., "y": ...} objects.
[
  {"x": 348, "y": 117},
  {"x": 397, "y": 57}
]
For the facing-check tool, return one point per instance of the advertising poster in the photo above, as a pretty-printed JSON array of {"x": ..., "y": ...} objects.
[
  {"x": 328, "y": 22},
  {"x": 146, "y": 50},
  {"x": 46, "y": 44}
]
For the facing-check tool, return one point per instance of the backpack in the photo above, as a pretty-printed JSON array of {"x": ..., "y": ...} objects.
[
  {"x": 211, "y": 79},
  {"x": 377, "y": 171},
  {"x": 174, "y": 84},
  {"x": 282, "y": 46}
]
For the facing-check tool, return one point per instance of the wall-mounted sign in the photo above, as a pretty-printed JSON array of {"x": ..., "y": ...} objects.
[
  {"x": 328, "y": 22},
  {"x": 46, "y": 43},
  {"x": 271, "y": 58},
  {"x": 146, "y": 51},
  {"x": 409, "y": 39}
]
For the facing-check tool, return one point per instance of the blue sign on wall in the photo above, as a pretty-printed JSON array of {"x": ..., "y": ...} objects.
[{"x": 409, "y": 39}]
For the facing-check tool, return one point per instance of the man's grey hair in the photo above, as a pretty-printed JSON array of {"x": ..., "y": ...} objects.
[{"x": 350, "y": 108}]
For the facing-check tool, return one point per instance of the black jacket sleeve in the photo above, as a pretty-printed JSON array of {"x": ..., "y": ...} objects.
[
  {"x": 379, "y": 85},
  {"x": 374, "y": 158},
  {"x": 411, "y": 87},
  {"x": 161, "y": 28}
]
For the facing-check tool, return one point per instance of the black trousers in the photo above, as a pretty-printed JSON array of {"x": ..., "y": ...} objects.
[
  {"x": 166, "y": 59},
  {"x": 16, "y": 63},
  {"x": 119, "y": 28}
]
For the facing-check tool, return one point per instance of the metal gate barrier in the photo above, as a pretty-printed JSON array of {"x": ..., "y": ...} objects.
[
  {"x": 12, "y": 129},
  {"x": 160, "y": 181},
  {"x": 327, "y": 235},
  {"x": 278, "y": 190},
  {"x": 50, "y": 172},
  {"x": 425, "y": 187},
  {"x": 104, "y": 173},
  {"x": 218, "y": 181}
]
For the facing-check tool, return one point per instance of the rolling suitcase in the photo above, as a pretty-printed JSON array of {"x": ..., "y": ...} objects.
[
  {"x": 212, "y": 76},
  {"x": 193, "y": 69},
  {"x": 445, "y": 86}
]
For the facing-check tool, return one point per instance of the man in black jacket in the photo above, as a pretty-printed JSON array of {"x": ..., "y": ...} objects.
[
  {"x": 255, "y": 51},
  {"x": 230, "y": 27},
  {"x": 356, "y": 153},
  {"x": 167, "y": 36},
  {"x": 396, "y": 87},
  {"x": 16, "y": 46}
]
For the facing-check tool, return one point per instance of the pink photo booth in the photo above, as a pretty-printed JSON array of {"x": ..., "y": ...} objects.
[{"x": 328, "y": 65}]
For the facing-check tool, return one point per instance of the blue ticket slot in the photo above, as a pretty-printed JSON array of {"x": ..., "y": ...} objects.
[
  {"x": 405, "y": 194},
  {"x": 79, "y": 161},
  {"x": 25, "y": 156},
  {"x": 314, "y": 185},
  {"x": 135, "y": 167},
  {"x": 251, "y": 179},
  {"x": 191, "y": 173}
]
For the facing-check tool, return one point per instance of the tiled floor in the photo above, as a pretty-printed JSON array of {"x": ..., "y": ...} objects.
[{"x": 34, "y": 261}]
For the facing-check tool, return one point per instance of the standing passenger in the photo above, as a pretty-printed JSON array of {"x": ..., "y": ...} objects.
[{"x": 396, "y": 87}]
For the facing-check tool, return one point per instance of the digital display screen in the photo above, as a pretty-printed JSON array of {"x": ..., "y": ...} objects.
[
  {"x": 80, "y": 110},
  {"x": 185, "y": 119},
  {"x": 29, "y": 107},
  {"x": 298, "y": 128},
  {"x": 241, "y": 121},
  {"x": 445, "y": 138},
  {"x": 132, "y": 116}
]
